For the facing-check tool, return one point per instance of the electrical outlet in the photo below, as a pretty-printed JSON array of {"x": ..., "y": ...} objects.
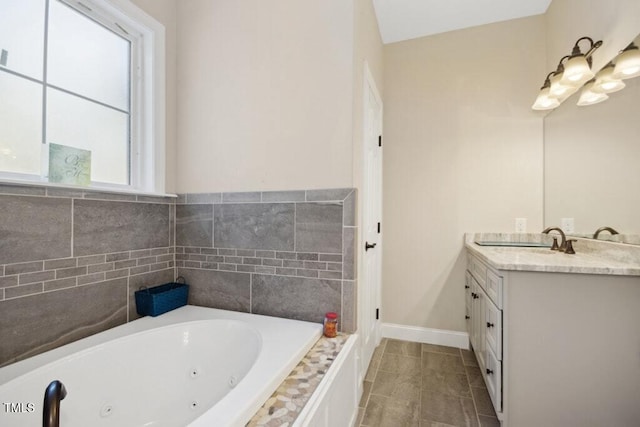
[
  {"x": 521, "y": 225},
  {"x": 567, "y": 225}
]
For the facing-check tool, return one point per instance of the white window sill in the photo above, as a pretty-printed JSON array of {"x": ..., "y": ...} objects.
[{"x": 111, "y": 190}]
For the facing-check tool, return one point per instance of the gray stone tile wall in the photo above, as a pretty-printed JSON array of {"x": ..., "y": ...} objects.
[
  {"x": 295, "y": 298},
  {"x": 108, "y": 226},
  {"x": 34, "y": 228},
  {"x": 254, "y": 226},
  {"x": 59, "y": 285},
  {"x": 284, "y": 253},
  {"x": 281, "y": 253},
  {"x": 48, "y": 320},
  {"x": 194, "y": 225}
]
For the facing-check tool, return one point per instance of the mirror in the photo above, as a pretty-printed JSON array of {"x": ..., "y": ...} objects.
[{"x": 592, "y": 165}]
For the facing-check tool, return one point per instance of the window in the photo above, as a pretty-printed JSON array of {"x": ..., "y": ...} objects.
[{"x": 81, "y": 94}]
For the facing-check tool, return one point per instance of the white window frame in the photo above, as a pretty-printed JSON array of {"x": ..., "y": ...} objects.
[{"x": 147, "y": 110}]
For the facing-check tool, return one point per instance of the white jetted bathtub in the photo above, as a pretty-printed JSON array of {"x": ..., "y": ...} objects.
[{"x": 192, "y": 366}]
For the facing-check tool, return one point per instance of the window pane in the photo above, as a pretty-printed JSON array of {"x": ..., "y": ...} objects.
[
  {"x": 79, "y": 123},
  {"x": 87, "y": 58},
  {"x": 20, "y": 124},
  {"x": 22, "y": 36}
]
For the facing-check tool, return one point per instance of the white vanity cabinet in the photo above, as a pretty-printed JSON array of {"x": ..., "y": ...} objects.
[
  {"x": 483, "y": 294},
  {"x": 556, "y": 348}
]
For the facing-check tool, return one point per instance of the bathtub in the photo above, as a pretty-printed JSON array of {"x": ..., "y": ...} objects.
[{"x": 192, "y": 366}]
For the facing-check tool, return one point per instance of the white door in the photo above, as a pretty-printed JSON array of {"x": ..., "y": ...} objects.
[{"x": 371, "y": 241}]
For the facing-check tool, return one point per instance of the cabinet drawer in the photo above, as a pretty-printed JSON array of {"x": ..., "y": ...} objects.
[
  {"x": 493, "y": 325},
  {"x": 493, "y": 379},
  {"x": 478, "y": 269},
  {"x": 493, "y": 286}
]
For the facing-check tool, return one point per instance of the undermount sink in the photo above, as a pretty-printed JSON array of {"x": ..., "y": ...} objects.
[
  {"x": 513, "y": 244},
  {"x": 524, "y": 250}
]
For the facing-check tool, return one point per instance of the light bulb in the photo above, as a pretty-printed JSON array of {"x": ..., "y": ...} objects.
[
  {"x": 545, "y": 101},
  {"x": 576, "y": 71},
  {"x": 558, "y": 89},
  {"x": 628, "y": 63},
  {"x": 605, "y": 82},
  {"x": 589, "y": 97}
]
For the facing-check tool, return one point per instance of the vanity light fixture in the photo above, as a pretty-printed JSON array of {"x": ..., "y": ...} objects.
[
  {"x": 605, "y": 82},
  {"x": 545, "y": 101},
  {"x": 589, "y": 96},
  {"x": 628, "y": 63},
  {"x": 578, "y": 68},
  {"x": 568, "y": 77}
]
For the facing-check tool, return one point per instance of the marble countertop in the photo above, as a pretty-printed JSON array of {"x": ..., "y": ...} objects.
[{"x": 591, "y": 257}]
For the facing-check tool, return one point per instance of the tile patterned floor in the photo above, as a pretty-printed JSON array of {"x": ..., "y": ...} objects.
[{"x": 422, "y": 385}]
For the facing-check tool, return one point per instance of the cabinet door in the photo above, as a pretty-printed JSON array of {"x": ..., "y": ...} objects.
[
  {"x": 493, "y": 378},
  {"x": 467, "y": 300},
  {"x": 493, "y": 328},
  {"x": 478, "y": 299}
]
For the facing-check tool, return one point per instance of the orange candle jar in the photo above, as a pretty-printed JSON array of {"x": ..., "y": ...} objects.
[{"x": 331, "y": 325}]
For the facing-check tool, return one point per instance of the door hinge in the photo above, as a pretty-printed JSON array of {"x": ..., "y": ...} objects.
[
  {"x": 378, "y": 228},
  {"x": 377, "y": 313},
  {"x": 379, "y": 140}
]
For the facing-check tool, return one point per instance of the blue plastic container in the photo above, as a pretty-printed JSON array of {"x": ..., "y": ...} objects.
[{"x": 160, "y": 299}]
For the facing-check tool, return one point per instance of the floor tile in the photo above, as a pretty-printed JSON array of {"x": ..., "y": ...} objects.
[
  {"x": 442, "y": 362},
  {"x": 377, "y": 353},
  {"x": 423, "y": 385},
  {"x": 398, "y": 386},
  {"x": 450, "y": 383},
  {"x": 475, "y": 376},
  {"x": 366, "y": 389},
  {"x": 440, "y": 349},
  {"x": 469, "y": 358},
  {"x": 404, "y": 348},
  {"x": 400, "y": 364},
  {"x": 483, "y": 401},
  {"x": 457, "y": 411},
  {"x": 427, "y": 423},
  {"x": 385, "y": 411},
  {"x": 488, "y": 421},
  {"x": 373, "y": 369}
]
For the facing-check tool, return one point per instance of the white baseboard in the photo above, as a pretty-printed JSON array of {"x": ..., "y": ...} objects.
[{"x": 426, "y": 335}]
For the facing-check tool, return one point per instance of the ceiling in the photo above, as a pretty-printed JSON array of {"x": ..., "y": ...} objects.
[{"x": 408, "y": 19}]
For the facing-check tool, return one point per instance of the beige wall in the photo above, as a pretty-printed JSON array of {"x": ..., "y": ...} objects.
[
  {"x": 264, "y": 95},
  {"x": 164, "y": 11},
  {"x": 463, "y": 152}
]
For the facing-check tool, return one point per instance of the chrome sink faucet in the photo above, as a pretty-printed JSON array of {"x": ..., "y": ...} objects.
[
  {"x": 601, "y": 229},
  {"x": 563, "y": 244}
]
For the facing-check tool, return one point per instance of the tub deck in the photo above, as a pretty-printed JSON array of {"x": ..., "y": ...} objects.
[{"x": 288, "y": 401}]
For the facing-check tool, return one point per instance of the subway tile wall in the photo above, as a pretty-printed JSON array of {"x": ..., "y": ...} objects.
[{"x": 71, "y": 260}]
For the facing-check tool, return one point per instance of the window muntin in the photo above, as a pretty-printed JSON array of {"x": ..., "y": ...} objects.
[{"x": 85, "y": 92}]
